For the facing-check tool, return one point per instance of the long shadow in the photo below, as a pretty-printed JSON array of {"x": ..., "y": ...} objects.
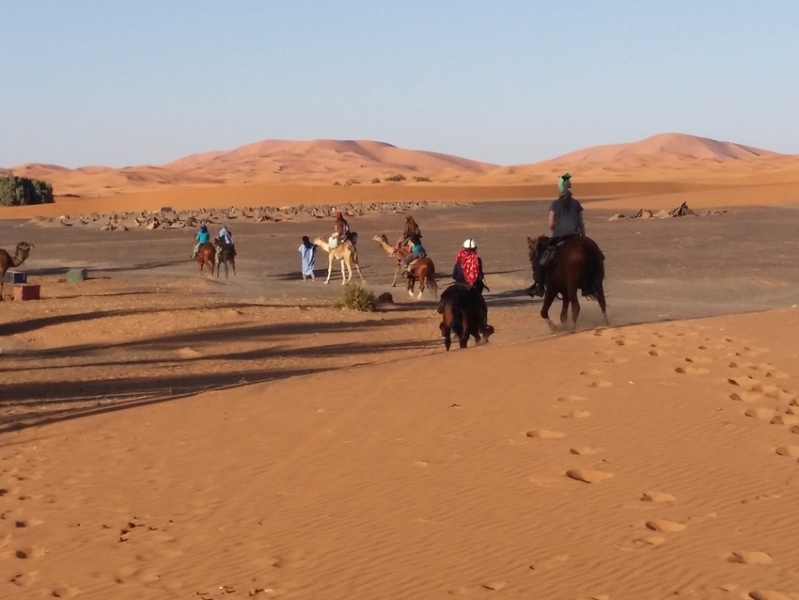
[{"x": 70, "y": 398}]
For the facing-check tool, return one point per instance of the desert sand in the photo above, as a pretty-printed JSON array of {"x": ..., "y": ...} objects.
[{"x": 163, "y": 436}]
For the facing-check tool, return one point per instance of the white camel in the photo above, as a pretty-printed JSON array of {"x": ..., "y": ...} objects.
[{"x": 345, "y": 253}]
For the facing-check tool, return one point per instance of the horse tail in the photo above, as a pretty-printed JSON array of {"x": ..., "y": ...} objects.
[
  {"x": 431, "y": 277},
  {"x": 593, "y": 270}
]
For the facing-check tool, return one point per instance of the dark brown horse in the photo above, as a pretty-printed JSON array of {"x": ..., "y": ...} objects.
[
  {"x": 462, "y": 313},
  {"x": 206, "y": 255},
  {"x": 224, "y": 255},
  {"x": 423, "y": 271},
  {"x": 578, "y": 265}
]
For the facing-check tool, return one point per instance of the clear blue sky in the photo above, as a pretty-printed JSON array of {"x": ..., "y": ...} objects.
[{"x": 147, "y": 81}]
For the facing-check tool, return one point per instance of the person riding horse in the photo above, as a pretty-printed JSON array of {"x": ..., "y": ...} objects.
[
  {"x": 416, "y": 251},
  {"x": 468, "y": 271},
  {"x": 203, "y": 237},
  {"x": 565, "y": 221},
  {"x": 411, "y": 228},
  {"x": 226, "y": 241}
]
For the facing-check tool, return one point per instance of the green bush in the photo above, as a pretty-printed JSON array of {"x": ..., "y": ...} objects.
[
  {"x": 422, "y": 179},
  {"x": 397, "y": 177},
  {"x": 20, "y": 191},
  {"x": 356, "y": 297}
]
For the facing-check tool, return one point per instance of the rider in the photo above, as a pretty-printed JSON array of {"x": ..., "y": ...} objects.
[
  {"x": 565, "y": 220},
  {"x": 410, "y": 228},
  {"x": 340, "y": 231},
  {"x": 226, "y": 238},
  {"x": 469, "y": 271},
  {"x": 414, "y": 243},
  {"x": 203, "y": 237}
]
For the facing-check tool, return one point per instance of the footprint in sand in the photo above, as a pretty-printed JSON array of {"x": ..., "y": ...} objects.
[
  {"x": 585, "y": 450},
  {"x": 657, "y": 497},
  {"x": 576, "y": 414},
  {"x": 747, "y": 397},
  {"x": 549, "y": 563},
  {"x": 588, "y": 475},
  {"x": 749, "y": 558},
  {"x": 572, "y": 398},
  {"x": 785, "y": 420},
  {"x": 24, "y": 579},
  {"x": 698, "y": 359},
  {"x": 772, "y": 391},
  {"x": 744, "y": 381},
  {"x": 64, "y": 591},
  {"x": 591, "y": 372},
  {"x": 599, "y": 384},
  {"x": 665, "y": 526},
  {"x": 762, "y": 497},
  {"x": 618, "y": 360},
  {"x": 768, "y": 595},
  {"x": 545, "y": 434},
  {"x": 760, "y": 412},
  {"x": 791, "y": 451},
  {"x": 32, "y": 552},
  {"x": 649, "y": 540},
  {"x": 691, "y": 370}
]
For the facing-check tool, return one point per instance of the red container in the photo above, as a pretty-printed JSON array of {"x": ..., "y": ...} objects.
[{"x": 26, "y": 291}]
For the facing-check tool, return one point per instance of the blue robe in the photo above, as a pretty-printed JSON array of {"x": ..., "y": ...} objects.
[{"x": 307, "y": 253}]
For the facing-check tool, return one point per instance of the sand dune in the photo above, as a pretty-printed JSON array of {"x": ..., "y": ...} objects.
[{"x": 328, "y": 171}]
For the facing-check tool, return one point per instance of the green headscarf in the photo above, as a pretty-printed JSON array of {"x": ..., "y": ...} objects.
[{"x": 562, "y": 182}]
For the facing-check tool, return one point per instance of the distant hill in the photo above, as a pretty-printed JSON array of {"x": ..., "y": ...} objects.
[{"x": 666, "y": 145}]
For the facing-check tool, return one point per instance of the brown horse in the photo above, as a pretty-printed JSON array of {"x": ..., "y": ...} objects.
[
  {"x": 423, "y": 271},
  {"x": 578, "y": 264},
  {"x": 206, "y": 255},
  {"x": 463, "y": 313}
]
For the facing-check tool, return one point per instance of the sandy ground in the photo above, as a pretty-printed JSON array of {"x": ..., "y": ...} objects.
[{"x": 167, "y": 437}]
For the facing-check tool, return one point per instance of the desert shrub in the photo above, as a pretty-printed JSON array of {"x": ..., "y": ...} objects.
[
  {"x": 376, "y": 180},
  {"x": 397, "y": 177},
  {"x": 422, "y": 179},
  {"x": 20, "y": 191},
  {"x": 352, "y": 182},
  {"x": 336, "y": 183},
  {"x": 356, "y": 297}
]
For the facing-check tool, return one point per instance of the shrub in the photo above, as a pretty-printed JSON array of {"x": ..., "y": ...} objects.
[
  {"x": 376, "y": 180},
  {"x": 352, "y": 182},
  {"x": 356, "y": 297},
  {"x": 422, "y": 179},
  {"x": 336, "y": 183},
  {"x": 20, "y": 191},
  {"x": 397, "y": 177}
]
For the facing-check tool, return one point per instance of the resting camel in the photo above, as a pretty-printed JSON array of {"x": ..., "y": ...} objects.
[
  {"x": 422, "y": 268},
  {"x": 7, "y": 261},
  {"x": 346, "y": 253}
]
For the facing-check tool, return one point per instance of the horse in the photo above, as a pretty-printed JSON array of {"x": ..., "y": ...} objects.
[
  {"x": 578, "y": 264},
  {"x": 224, "y": 254},
  {"x": 422, "y": 269},
  {"x": 461, "y": 310},
  {"x": 206, "y": 255}
]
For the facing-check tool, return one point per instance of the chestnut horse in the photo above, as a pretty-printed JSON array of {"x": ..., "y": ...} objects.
[
  {"x": 423, "y": 271},
  {"x": 578, "y": 264},
  {"x": 206, "y": 255}
]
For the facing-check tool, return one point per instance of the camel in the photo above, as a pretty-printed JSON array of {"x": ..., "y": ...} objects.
[
  {"x": 346, "y": 253},
  {"x": 7, "y": 261},
  {"x": 422, "y": 269}
]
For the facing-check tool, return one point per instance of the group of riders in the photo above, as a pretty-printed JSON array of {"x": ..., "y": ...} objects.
[{"x": 565, "y": 221}]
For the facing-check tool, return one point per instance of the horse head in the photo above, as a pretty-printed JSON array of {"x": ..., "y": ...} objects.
[{"x": 535, "y": 246}]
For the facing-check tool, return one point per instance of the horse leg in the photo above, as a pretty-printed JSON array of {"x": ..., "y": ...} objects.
[
  {"x": 226, "y": 271},
  {"x": 549, "y": 297},
  {"x": 233, "y": 262},
  {"x": 564, "y": 312},
  {"x": 575, "y": 307},
  {"x": 464, "y": 333},
  {"x": 446, "y": 333},
  {"x": 411, "y": 283},
  {"x": 396, "y": 274},
  {"x": 422, "y": 275}
]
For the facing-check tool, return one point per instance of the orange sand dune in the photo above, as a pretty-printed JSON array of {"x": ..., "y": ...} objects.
[
  {"x": 652, "y": 173},
  {"x": 646, "y": 462}
]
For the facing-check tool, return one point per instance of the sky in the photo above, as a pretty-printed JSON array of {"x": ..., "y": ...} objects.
[{"x": 502, "y": 81}]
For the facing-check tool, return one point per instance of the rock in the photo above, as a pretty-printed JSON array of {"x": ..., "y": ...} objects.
[
  {"x": 617, "y": 217},
  {"x": 385, "y": 298}
]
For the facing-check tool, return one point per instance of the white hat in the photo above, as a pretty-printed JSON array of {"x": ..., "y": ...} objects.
[
  {"x": 467, "y": 244},
  {"x": 473, "y": 245}
]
